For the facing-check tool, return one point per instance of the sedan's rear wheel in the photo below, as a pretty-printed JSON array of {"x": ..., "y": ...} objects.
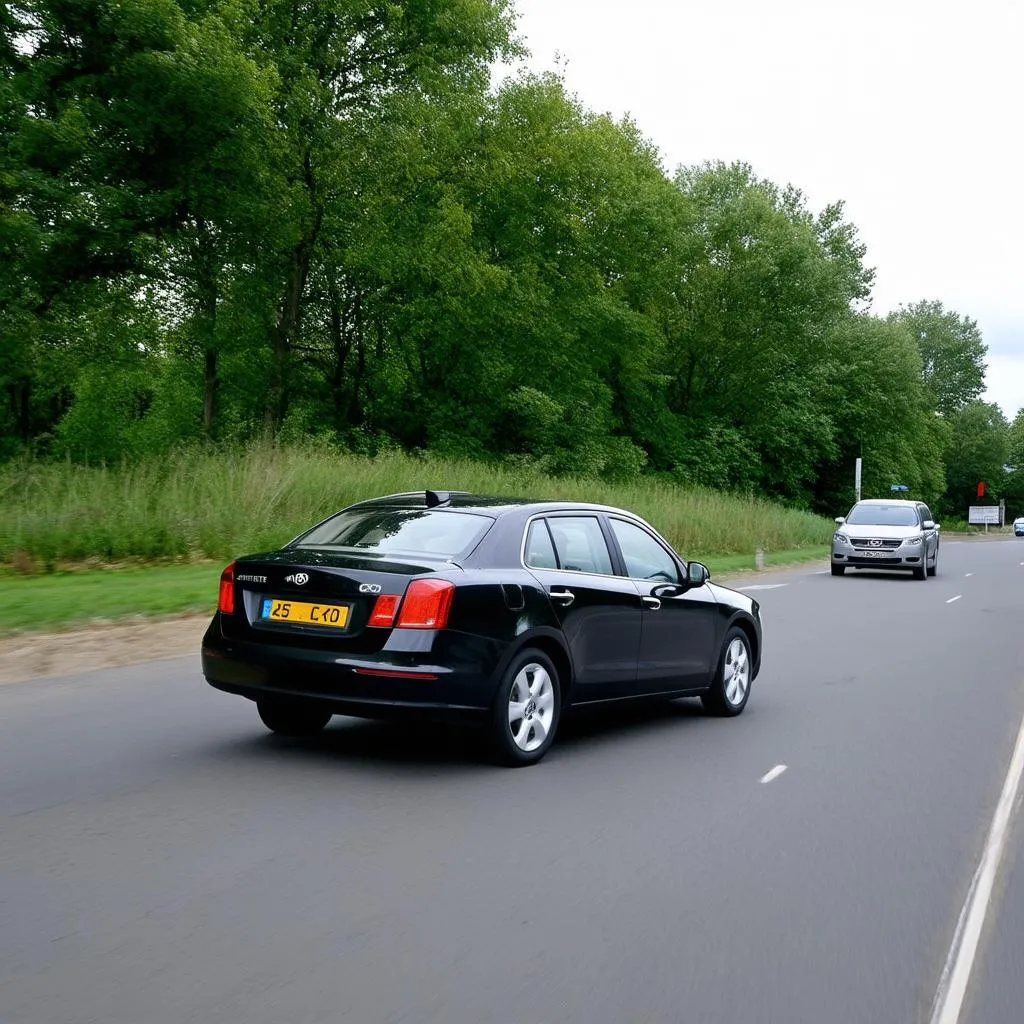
[
  {"x": 526, "y": 709},
  {"x": 292, "y": 717},
  {"x": 731, "y": 689}
]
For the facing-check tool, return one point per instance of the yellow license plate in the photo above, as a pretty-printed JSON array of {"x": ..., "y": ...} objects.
[{"x": 276, "y": 610}]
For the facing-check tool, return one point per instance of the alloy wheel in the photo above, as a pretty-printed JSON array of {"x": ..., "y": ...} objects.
[{"x": 531, "y": 706}]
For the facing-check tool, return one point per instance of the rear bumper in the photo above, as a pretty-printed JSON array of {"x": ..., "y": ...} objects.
[{"x": 368, "y": 686}]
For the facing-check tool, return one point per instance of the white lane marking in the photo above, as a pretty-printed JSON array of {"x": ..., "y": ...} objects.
[
  {"x": 763, "y": 586},
  {"x": 773, "y": 774},
  {"x": 949, "y": 999},
  {"x": 968, "y": 574},
  {"x": 952, "y": 599},
  {"x": 825, "y": 572}
]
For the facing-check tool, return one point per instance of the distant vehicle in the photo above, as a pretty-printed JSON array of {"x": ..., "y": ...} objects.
[
  {"x": 506, "y": 612},
  {"x": 887, "y": 534},
  {"x": 1018, "y": 527}
]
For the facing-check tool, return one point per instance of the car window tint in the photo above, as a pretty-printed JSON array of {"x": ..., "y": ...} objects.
[
  {"x": 882, "y": 515},
  {"x": 645, "y": 558},
  {"x": 405, "y": 531},
  {"x": 540, "y": 553},
  {"x": 580, "y": 544},
  {"x": 927, "y": 514}
]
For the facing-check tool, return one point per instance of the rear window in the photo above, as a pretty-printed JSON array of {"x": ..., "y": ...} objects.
[
  {"x": 400, "y": 531},
  {"x": 882, "y": 515}
]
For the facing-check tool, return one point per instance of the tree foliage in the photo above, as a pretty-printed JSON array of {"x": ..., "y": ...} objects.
[{"x": 223, "y": 219}]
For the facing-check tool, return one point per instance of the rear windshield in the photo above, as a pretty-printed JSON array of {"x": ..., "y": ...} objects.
[
  {"x": 400, "y": 531},
  {"x": 882, "y": 515}
]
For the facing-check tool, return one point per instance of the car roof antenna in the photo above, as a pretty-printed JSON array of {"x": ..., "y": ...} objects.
[{"x": 435, "y": 498}]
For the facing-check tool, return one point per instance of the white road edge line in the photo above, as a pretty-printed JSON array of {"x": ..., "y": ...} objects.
[
  {"x": 952, "y": 599},
  {"x": 773, "y": 774},
  {"x": 762, "y": 586},
  {"x": 949, "y": 999}
]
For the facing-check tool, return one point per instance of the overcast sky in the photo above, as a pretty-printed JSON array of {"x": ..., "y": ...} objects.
[{"x": 909, "y": 111}]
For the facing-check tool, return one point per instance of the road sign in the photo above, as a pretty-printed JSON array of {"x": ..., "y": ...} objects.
[
  {"x": 978, "y": 514},
  {"x": 981, "y": 488},
  {"x": 898, "y": 488}
]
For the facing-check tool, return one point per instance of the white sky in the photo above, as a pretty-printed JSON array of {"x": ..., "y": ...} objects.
[{"x": 909, "y": 111}]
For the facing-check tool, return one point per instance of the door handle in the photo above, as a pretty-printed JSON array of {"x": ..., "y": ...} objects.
[
  {"x": 650, "y": 602},
  {"x": 565, "y": 597}
]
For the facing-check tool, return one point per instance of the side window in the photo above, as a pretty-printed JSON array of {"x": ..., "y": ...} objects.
[
  {"x": 926, "y": 514},
  {"x": 645, "y": 558},
  {"x": 580, "y": 544},
  {"x": 540, "y": 554}
]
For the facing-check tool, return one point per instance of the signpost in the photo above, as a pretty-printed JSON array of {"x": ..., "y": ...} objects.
[
  {"x": 856, "y": 477},
  {"x": 898, "y": 488},
  {"x": 978, "y": 514}
]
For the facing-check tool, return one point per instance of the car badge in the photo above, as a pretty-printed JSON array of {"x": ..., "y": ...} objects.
[
  {"x": 875, "y": 543},
  {"x": 298, "y": 578}
]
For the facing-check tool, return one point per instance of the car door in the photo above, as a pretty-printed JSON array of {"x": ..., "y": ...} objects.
[
  {"x": 679, "y": 634},
  {"x": 931, "y": 537},
  {"x": 599, "y": 611}
]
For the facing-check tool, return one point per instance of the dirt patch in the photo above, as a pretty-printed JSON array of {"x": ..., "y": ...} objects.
[{"x": 125, "y": 642}]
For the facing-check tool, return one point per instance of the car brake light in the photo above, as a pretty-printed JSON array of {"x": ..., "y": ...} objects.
[
  {"x": 384, "y": 609},
  {"x": 426, "y": 605},
  {"x": 226, "y": 600}
]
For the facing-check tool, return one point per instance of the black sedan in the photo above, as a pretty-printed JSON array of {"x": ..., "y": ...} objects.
[{"x": 507, "y": 612}]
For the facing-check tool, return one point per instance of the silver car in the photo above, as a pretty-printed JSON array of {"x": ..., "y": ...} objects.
[{"x": 887, "y": 534}]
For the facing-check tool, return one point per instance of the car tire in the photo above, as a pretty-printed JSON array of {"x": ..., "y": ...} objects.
[
  {"x": 838, "y": 570},
  {"x": 526, "y": 710},
  {"x": 292, "y": 717},
  {"x": 920, "y": 572},
  {"x": 934, "y": 568},
  {"x": 730, "y": 690}
]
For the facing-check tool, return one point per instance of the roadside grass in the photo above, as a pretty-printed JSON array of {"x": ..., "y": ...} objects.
[
  {"x": 62, "y": 600},
  {"x": 76, "y": 598},
  {"x": 205, "y": 504}
]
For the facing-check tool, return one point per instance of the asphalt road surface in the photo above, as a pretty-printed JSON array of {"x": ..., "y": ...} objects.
[{"x": 164, "y": 859}]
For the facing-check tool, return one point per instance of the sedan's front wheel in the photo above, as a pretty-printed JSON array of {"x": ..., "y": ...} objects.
[
  {"x": 526, "y": 709},
  {"x": 292, "y": 717},
  {"x": 731, "y": 689}
]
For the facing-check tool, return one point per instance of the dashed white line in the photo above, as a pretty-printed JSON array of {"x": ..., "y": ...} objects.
[
  {"x": 773, "y": 774},
  {"x": 968, "y": 574},
  {"x": 949, "y": 999},
  {"x": 952, "y": 599}
]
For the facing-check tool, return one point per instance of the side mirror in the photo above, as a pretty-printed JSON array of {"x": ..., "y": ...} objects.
[
  {"x": 697, "y": 574},
  {"x": 928, "y": 525},
  {"x": 840, "y": 520}
]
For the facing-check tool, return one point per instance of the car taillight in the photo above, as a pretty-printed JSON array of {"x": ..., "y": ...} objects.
[
  {"x": 384, "y": 609},
  {"x": 426, "y": 605},
  {"x": 226, "y": 600}
]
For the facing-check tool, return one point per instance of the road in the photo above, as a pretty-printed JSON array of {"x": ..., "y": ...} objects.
[{"x": 163, "y": 859}]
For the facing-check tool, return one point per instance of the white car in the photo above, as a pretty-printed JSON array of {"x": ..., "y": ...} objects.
[
  {"x": 1018, "y": 527},
  {"x": 887, "y": 534}
]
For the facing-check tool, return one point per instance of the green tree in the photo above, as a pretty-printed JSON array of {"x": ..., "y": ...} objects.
[
  {"x": 977, "y": 452},
  {"x": 952, "y": 353}
]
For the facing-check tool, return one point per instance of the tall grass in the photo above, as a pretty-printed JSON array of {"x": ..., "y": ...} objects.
[{"x": 201, "y": 504}]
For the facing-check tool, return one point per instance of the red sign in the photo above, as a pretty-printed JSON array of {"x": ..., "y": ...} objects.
[{"x": 981, "y": 488}]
